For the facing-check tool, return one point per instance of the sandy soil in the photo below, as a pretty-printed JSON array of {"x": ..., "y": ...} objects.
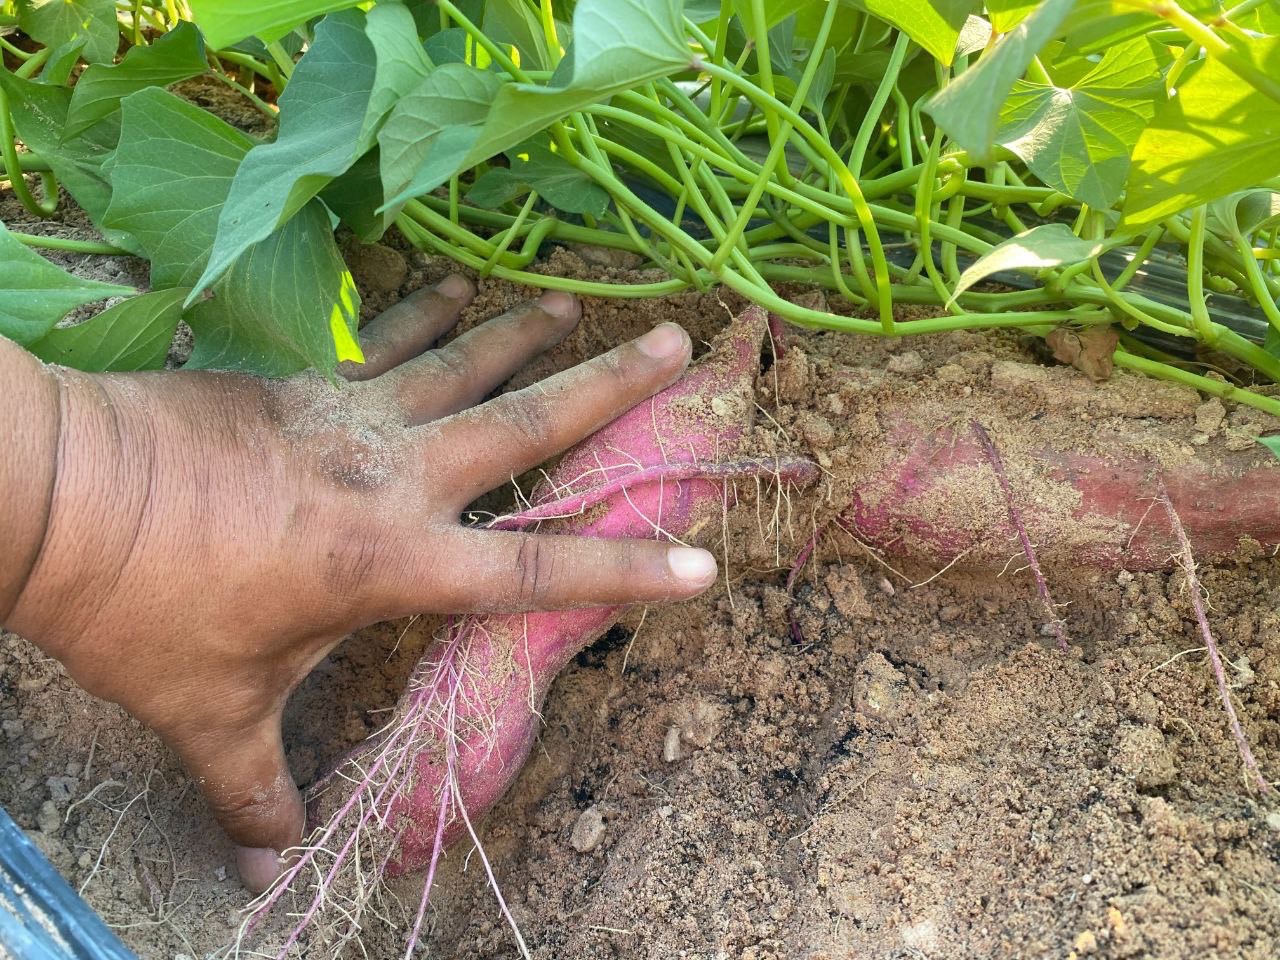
[{"x": 918, "y": 772}]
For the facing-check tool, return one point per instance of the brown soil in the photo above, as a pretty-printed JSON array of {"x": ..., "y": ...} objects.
[{"x": 922, "y": 775}]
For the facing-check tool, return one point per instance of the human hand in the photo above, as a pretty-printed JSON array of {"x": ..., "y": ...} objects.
[{"x": 279, "y": 516}]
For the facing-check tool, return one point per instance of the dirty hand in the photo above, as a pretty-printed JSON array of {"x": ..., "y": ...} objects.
[{"x": 191, "y": 544}]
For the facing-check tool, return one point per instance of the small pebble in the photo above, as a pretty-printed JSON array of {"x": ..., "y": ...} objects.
[
  {"x": 908, "y": 362},
  {"x": 671, "y": 750},
  {"x": 886, "y": 587},
  {"x": 48, "y": 819},
  {"x": 588, "y": 830}
]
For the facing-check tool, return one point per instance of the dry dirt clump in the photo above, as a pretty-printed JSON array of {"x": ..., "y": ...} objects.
[{"x": 892, "y": 760}]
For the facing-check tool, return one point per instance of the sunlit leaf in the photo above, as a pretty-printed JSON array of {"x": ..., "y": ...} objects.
[
  {"x": 934, "y": 24},
  {"x": 1217, "y": 135},
  {"x": 225, "y": 22},
  {"x": 968, "y": 109},
  {"x": 1077, "y": 138}
]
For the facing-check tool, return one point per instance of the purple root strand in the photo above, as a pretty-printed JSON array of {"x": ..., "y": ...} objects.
[
  {"x": 1188, "y": 562},
  {"x": 1015, "y": 519}
]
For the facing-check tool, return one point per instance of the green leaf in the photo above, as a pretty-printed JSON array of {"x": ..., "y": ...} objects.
[
  {"x": 170, "y": 177},
  {"x": 288, "y": 303},
  {"x": 322, "y": 133},
  {"x": 1007, "y": 14},
  {"x": 514, "y": 23},
  {"x": 176, "y": 56},
  {"x": 497, "y": 186},
  {"x": 40, "y": 115},
  {"x": 133, "y": 335},
  {"x": 536, "y": 167},
  {"x": 1217, "y": 135},
  {"x": 968, "y": 109},
  {"x": 1048, "y": 245},
  {"x": 775, "y": 11},
  {"x": 1247, "y": 212},
  {"x": 1077, "y": 139},
  {"x": 62, "y": 60},
  {"x": 430, "y": 133},
  {"x": 35, "y": 294},
  {"x": 225, "y": 22},
  {"x": 934, "y": 24},
  {"x": 401, "y": 62},
  {"x": 58, "y": 22},
  {"x": 459, "y": 116},
  {"x": 356, "y": 197}
]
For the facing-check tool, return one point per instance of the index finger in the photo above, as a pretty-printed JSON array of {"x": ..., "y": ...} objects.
[{"x": 512, "y": 433}]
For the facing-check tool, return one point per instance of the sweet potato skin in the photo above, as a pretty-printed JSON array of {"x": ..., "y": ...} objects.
[{"x": 1082, "y": 509}]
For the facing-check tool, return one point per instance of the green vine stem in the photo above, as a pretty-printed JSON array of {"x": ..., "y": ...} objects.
[{"x": 13, "y": 161}]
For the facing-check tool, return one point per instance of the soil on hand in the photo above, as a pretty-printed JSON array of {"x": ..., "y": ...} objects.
[{"x": 894, "y": 760}]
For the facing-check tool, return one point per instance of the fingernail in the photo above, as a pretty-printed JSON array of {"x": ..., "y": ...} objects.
[
  {"x": 691, "y": 564},
  {"x": 664, "y": 340},
  {"x": 455, "y": 287},
  {"x": 258, "y": 866},
  {"x": 563, "y": 306}
]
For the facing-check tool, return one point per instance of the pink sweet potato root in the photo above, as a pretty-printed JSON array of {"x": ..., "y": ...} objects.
[
  {"x": 1102, "y": 515},
  {"x": 661, "y": 471}
]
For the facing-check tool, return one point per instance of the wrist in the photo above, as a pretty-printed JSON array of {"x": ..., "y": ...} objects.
[
  {"x": 30, "y": 425},
  {"x": 99, "y": 469}
]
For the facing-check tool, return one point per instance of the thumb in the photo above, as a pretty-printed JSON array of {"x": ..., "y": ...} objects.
[{"x": 245, "y": 780}]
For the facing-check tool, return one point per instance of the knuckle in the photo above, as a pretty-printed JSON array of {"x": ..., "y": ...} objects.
[
  {"x": 453, "y": 362},
  {"x": 615, "y": 368},
  {"x": 351, "y": 561},
  {"x": 535, "y": 571},
  {"x": 528, "y": 417}
]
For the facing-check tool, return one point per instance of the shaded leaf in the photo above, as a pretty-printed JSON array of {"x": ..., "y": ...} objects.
[
  {"x": 322, "y": 132},
  {"x": 356, "y": 197},
  {"x": 401, "y": 62},
  {"x": 58, "y": 22},
  {"x": 535, "y": 167},
  {"x": 1077, "y": 139},
  {"x": 170, "y": 177},
  {"x": 225, "y": 22},
  {"x": 968, "y": 108},
  {"x": 1217, "y": 135},
  {"x": 133, "y": 335},
  {"x": 35, "y": 294},
  {"x": 176, "y": 56},
  {"x": 513, "y": 23},
  {"x": 457, "y": 117},
  {"x": 1048, "y": 245},
  {"x": 40, "y": 115},
  {"x": 287, "y": 302}
]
